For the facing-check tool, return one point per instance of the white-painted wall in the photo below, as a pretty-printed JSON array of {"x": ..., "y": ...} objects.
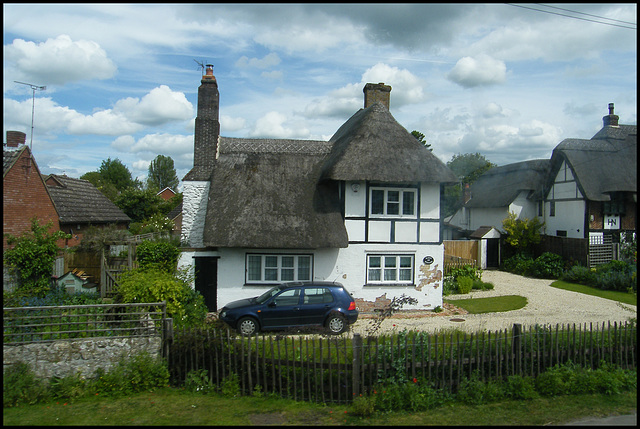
[
  {"x": 194, "y": 209},
  {"x": 347, "y": 266}
]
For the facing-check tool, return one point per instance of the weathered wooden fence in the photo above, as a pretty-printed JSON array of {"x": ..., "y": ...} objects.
[{"x": 335, "y": 369}]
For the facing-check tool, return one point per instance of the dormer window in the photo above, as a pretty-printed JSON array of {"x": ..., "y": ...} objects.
[{"x": 392, "y": 202}]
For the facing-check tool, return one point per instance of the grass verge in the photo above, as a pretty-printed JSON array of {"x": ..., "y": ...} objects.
[
  {"x": 623, "y": 297},
  {"x": 176, "y": 407},
  {"x": 490, "y": 305}
]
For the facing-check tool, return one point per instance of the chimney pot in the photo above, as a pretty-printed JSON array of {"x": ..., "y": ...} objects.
[
  {"x": 610, "y": 119},
  {"x": 15, "y": 138}
]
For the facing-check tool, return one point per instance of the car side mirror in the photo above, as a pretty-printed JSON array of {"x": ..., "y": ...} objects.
[{"x": 272, "y": 304}]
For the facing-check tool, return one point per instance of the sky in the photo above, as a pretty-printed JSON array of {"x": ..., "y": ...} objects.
[{"x": 508, "y": 81}]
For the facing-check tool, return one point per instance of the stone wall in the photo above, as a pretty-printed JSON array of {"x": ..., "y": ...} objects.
[{"x": 67, "y": 357}]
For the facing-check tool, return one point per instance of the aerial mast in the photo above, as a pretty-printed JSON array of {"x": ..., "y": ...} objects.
[{"x": 34, "y": 88}]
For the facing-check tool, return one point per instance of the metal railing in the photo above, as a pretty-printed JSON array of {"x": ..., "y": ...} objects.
[{"x": 23, "y": 325}]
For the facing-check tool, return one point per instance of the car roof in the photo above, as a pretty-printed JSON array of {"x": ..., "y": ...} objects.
[{"x": 314, "y": 283}]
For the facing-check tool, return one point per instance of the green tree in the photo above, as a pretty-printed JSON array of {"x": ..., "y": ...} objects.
[
  {"x": 114, "y": 171},
  {"x": 33, "y": 255},
  {"x": 421, "y": 138},
  {"x": 139, "y": 204},
  {"x": 162, "y": 174},
  {"x": 468, "y": 168},
  {"x": 104, "y": 186},
  {"x": 522, "y": 234}
]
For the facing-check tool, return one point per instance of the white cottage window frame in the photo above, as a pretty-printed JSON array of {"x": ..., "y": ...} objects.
[
  {"x": 390, "y": 202},
  {"x": 273, "y": 268},
  {"x": 390, "y": 269}
]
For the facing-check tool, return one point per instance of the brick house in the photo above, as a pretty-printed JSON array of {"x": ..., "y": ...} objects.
[
  {"x": 24, "y": 192},
  {"x": 362, "y": 208}
]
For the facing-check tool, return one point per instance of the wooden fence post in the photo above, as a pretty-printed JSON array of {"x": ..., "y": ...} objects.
[
  {"x": 356, "y": 346},
  {"x": 516, "y": 334}
]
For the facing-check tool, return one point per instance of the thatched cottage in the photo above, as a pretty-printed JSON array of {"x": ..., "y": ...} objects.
[{"x": 362, "y": 209}]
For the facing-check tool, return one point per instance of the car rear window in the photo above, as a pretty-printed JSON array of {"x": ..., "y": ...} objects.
[{"x": 317, "y": 295}]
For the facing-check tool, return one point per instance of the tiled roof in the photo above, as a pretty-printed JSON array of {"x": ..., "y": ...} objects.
[{"x": 78, "y": 201}]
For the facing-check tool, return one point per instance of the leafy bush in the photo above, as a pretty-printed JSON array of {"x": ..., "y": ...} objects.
[
  {"x": 470, "y": 271},
  {"x": 615, "y": 275},
  {"x": 547, "y": 266},
  {"x": 197, "y": 380},
  {"x": 414, "y": 395},
  {"x": 185, "y": 305},
  {"x": 580, "y": 275},
  {"x": 474, "y": 391},
  {"x": 138, "y": 373},
  {"x": 519, "y": 387},
  {"x": 20, "y": 386},
  {"x": 161, "y": 254},
  {"x": 519, "y": 264},
  {"x": 464, "y": 284}
]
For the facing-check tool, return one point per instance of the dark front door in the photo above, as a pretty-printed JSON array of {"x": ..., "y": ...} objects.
[
  {"x": 493, "y": 253},
  {"x": 206, "y": 280}
]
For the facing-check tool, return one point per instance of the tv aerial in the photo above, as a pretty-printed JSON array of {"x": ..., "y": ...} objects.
[
  {"x": 202, "y": 66},
  {"x": 34, "y": 88}
]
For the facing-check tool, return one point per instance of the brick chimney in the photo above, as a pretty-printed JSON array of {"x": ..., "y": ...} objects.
[
  {"x": 207, "y": 127},
  {"x": 610, "y": 119},
  {"x": 376, "y": 92},
  {"x": 15, "y": 138}
]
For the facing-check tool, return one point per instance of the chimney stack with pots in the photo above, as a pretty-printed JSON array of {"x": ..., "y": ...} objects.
[
  {"x": 376, "y": 92},
  {"x": 207, "y": 127},
  {"x": 15, "y": 138},
  {"x": 610, "y": 119}
]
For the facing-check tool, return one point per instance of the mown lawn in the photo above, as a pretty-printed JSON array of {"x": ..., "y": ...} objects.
[
  {"x": 623, "y": 297},
  {"x": 490, "y": 305},
  {"x": 176, "y": 407}
]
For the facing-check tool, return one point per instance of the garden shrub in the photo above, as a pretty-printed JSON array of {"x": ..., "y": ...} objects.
[
  {"x": 547, "y": 266},
  {"x": 185, "y": 305},
  {"x": 138, "y": 373},
  {"x": 161, "y": 254},
  {"x": 474, "y": 391},
  {"x": 69, "y": 387},
  {"x": 465, "y": 284},
  {"x": 580, "y": 275},
  {"x": 20, "y": 386},
  {"x": 519, "y": 387},
  {"x": 518, "y": 264},
  {"x": 197, "y": 380}
]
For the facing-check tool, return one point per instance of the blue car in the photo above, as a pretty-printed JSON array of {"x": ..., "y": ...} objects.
[{"x": 293, "y": 305}]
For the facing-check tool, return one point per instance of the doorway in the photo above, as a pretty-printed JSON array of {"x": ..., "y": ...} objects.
[
  {"x": 493, "y": 252},
  {"x": 206, "y": 280}
]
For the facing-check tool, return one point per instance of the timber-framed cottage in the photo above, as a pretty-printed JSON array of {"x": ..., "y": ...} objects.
[{"x": 362, "y": 208}]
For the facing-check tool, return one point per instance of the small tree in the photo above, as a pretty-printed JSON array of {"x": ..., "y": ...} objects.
[
  {"x": 522, "y": 234},
  {"x": 33, "y": 255}
]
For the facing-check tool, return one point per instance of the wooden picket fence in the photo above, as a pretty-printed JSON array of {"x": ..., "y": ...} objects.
[{"x": 326, "y": 369}]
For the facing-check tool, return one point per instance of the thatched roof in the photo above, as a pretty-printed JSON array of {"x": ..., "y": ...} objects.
[
  {"x": 78, "y": 201},
  {"x": 606, "y": 163},
  {"x": 373, "y": 146},
  {"x": 499, "y": 186},
  {"x": 267, "y": 193}
]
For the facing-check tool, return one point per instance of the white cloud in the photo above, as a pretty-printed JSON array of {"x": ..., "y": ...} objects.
[
  {"x": 406, "y": 88},
  {"x": 230, "y": 124},
  {"x": 159, "y": 106},
  {"x": 59, "y": 61},
  {"x": 267, "y": 61},
  {"x": 273, "y": 125},
  {"x": 479, "y": 71}
]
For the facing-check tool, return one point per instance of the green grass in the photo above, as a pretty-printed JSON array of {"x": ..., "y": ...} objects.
[
  {"x": 623, "y": 297},
  {"x": 490, "y": 305},
  {"x": 176, "y": 407}
]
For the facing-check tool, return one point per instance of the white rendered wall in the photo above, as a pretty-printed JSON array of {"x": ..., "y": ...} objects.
[{"x": 195, "y": 196}]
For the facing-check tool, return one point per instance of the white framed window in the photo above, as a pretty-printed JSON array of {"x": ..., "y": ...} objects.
[
  {"x": 393, "y": 202},
  {"x": 390, "y": 269},
  {"x": 272, "y": 268}
]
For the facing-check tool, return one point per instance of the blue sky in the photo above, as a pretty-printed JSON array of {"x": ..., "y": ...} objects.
[{"x": 502, "y": 80}]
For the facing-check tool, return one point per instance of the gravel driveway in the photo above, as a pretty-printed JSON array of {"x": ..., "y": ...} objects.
[{"x": 546, "y": 305}]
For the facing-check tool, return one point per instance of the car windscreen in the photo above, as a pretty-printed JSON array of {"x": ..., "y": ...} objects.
[{"x": 268, "y": 294}]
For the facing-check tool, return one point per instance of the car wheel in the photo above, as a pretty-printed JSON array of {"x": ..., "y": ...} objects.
[
  {"x": 247, "y": 326},
  {"x": 336, "y": 324}
]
